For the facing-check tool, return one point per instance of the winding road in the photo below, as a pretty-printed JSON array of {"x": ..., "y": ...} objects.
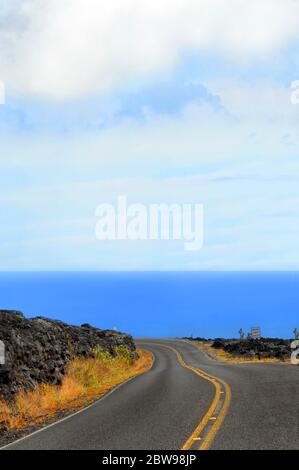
[{"x": 186, "y": 401}]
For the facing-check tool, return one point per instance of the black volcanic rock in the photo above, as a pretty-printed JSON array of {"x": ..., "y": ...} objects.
[
  {"x": 219, "y": 344},
  {"x": 256, "y": 348},
  {"x": 37, "y": 350}
]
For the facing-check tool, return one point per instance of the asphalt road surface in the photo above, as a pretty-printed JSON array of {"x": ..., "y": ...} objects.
[{"x": 187, "y": 400}]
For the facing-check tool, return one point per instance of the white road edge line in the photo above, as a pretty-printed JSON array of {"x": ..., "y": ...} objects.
[{"x": 82, "y": 410}]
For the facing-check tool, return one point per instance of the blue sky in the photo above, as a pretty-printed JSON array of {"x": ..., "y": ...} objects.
[{"x": 167, "y": 101}]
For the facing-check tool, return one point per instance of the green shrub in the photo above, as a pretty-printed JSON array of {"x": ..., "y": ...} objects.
[
  {"x": 100, "y": 353},
  {"x": 125, "y": 352}
]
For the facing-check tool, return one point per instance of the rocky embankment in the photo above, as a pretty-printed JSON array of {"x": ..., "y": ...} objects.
[
  {"x": 37, "y": 350},
  {"x": 264, "y": 348}
]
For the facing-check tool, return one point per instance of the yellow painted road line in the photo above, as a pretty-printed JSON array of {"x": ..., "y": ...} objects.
[
  {"x": 206, "y": 444},
  {"x": 211, "y": 434}
]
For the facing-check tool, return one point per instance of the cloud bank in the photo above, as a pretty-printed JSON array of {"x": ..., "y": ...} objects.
[
  {"x": 170, "y": 101},
  {"x": 71, "y": 48}
]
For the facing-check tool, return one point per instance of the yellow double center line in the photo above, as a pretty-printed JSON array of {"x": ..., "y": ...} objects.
[{"x": 215, "y": 414}]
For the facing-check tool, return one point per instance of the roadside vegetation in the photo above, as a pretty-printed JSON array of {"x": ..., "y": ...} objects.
[
  {"x": 224, "y": 356},
  {"x": 86, "y": 380}
]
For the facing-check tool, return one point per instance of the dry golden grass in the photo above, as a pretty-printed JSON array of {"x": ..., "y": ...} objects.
[
  {"x": 224, "y": 356},
  {"x": 85, "y": 381}
]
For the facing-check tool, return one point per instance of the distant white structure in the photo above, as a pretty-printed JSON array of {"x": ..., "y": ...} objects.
[
  {"x": 296, "y": 333},
  {"x": 255, "y": 332}
]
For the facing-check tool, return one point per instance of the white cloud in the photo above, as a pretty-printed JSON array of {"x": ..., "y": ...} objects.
[
  {"x": 243, "y": 171},
  {"x": 69, "y": 48},
  {"x": 242, "y": 165}
]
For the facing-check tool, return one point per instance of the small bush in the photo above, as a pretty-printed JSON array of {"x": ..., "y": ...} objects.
[
  {"x": 100, "y": 353},
  {"x": 125, "y": 352}
]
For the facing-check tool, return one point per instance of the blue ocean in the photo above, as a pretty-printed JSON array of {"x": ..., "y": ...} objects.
[{"x": 160, "y": 304}]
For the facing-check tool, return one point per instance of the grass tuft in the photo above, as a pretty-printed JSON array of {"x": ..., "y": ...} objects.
[{"x": 85, "y": 381}]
